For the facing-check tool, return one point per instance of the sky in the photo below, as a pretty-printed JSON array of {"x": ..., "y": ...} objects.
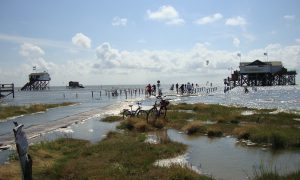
[{"x": 100, "y": 42}]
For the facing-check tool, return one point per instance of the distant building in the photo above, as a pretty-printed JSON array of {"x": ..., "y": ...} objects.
[
  {"x": 258, "y": 73},
  {"x": 74, "y": 84},
  {"x": 37, "y": 81}
]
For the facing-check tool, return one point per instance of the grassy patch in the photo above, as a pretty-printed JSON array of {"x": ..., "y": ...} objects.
[
  {"x": 279, "y": 137},
  {"x": 195, "y": 127},
  {"x": 268, "y": 174},
  {"x": 11, "y": 111},
  {"x": 119, "y": 156},
  {"x": 280, "y": 130},
  {"x": 111, "y": 119},
  {"x": 136, "y": 124}
]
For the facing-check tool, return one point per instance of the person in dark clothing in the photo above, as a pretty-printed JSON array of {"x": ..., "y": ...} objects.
[
  {"x": 177, "y": 88},
  {"x": 181, "y": 88}
]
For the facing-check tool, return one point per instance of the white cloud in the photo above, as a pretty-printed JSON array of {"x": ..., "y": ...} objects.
[
  {"x": 37, "y": 41},
  {"x": 209, "y": 19},
  {"x": 117, "y": 21},
  {"x": 236, "y": 42},
  {"x": 81, "y": 40},
  {"x": 108, "y": 56},
  {"x": 289, "y": 17},
  {"x": 34, "y": 56},
  {"x": 114, "y": 66},
  {"x": 167, "y": 14},
  {"x": 31, "y": 50},
  {"x": 236, "y": 21},
  {"x": 177, "y": 21}
]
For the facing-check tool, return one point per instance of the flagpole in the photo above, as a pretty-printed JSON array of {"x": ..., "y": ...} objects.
[
  {"x": 266, "y": 54},
  {"x": 240, "y": 56}
]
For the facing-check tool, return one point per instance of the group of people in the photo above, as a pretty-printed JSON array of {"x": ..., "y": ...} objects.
[
  {"x": 150, "y": 89},
  {"x": 185, "y": 88},
  {"x": 153, "y": 89}
]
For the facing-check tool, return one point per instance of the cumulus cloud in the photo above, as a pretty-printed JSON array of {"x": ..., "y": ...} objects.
[
  {"x": 236, "y": 21},
  {"x": 108, "y": 56},
  {"x": 115, "y": 66},
  {"x": 34, "y": 55},
  {"x": 236, "y": 42},
  {"x": 209, "y": 19},
  {"x": 81, "y": 40},
  {"x": 289, "y": 17},
  {"x": 167, "y": 14},
  {"x": 117, "y": 21},
  {"x": 188, "y": 63},
  {"x": 31, "y": 50}
]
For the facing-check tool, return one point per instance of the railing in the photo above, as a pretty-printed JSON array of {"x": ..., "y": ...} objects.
[{"x": 7, "y": 88}]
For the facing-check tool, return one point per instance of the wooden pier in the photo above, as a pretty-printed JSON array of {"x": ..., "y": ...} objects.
[
  {"x": 260, "y": 73},
  {"x": 6, "y": 90}
]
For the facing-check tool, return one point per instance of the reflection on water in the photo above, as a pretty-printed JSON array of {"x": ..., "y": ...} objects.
[
  {"x": 224, "y": 159},
  {"x": 92, "y": 130}
]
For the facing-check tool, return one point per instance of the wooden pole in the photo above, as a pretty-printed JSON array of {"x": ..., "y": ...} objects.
[{"x": 13, "y": 90}]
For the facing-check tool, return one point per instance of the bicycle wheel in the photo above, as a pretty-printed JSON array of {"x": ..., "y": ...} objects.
[
  {"x": 126, "y": 114},
  {"x": 163, "y": 112},
  {"x": 152, "y": 115},
  {"x": 142, "y": 114}
]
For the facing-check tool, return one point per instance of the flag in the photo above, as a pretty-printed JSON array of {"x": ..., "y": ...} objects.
[
  {"x": 34, "y": 68},
  {"x": 265, "y": 54},
  {"x": 239, "y": 54}
]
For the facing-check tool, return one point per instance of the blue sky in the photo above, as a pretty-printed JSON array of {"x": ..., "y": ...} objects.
[{"x": 125, "y": 42}]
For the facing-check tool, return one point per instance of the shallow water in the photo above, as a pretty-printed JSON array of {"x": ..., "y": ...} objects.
[
  {"x": 92, "y": 130},
  {"x": 220, "y": 157},
  {"x": 224, "y": 159},
  {"x": 278, "y": 97}
]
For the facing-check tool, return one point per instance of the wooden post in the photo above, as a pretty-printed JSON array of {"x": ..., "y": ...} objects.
[
  {"x": 22, "y": 149},
  {"x": 92, "y": 94},
  {"x": 13, "y": 89}
]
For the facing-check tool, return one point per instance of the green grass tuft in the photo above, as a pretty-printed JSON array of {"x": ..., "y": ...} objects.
[{"x": 112, "y": 119}]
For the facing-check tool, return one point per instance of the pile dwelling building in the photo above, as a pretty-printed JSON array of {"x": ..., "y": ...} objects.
[
  {"x": 37, "y": 81},
  {"x": 258, "y": 73}
]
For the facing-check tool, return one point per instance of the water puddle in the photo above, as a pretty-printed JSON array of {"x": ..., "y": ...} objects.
[
  {"x": 224, "y": 158},
  {"x": 247, "y": 113}
]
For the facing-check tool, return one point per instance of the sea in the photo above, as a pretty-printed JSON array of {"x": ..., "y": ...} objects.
[{"x": 83, "y": 120}]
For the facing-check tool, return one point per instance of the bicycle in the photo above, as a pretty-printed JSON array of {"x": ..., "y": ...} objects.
[
  {"x": 158, "y": 109},
  {"x": 132, "y": 113}
]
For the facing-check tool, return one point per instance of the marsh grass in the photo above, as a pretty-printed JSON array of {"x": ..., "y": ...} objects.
[
  {"x": 118, "y": 156},
  {"x": 11, "y": 111},
  {"x": 195, "y": 127},
  {"x": 264, "y": 173},
  {"x": 136, "y": 124},
  {"x": 279, "y": 129},
  {"x": 111, "y": 119}
]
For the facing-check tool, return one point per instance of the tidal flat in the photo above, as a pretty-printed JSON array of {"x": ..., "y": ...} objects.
[
  {"x": 125, "y": 154},
  {"x": 14, "y": 111}
]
